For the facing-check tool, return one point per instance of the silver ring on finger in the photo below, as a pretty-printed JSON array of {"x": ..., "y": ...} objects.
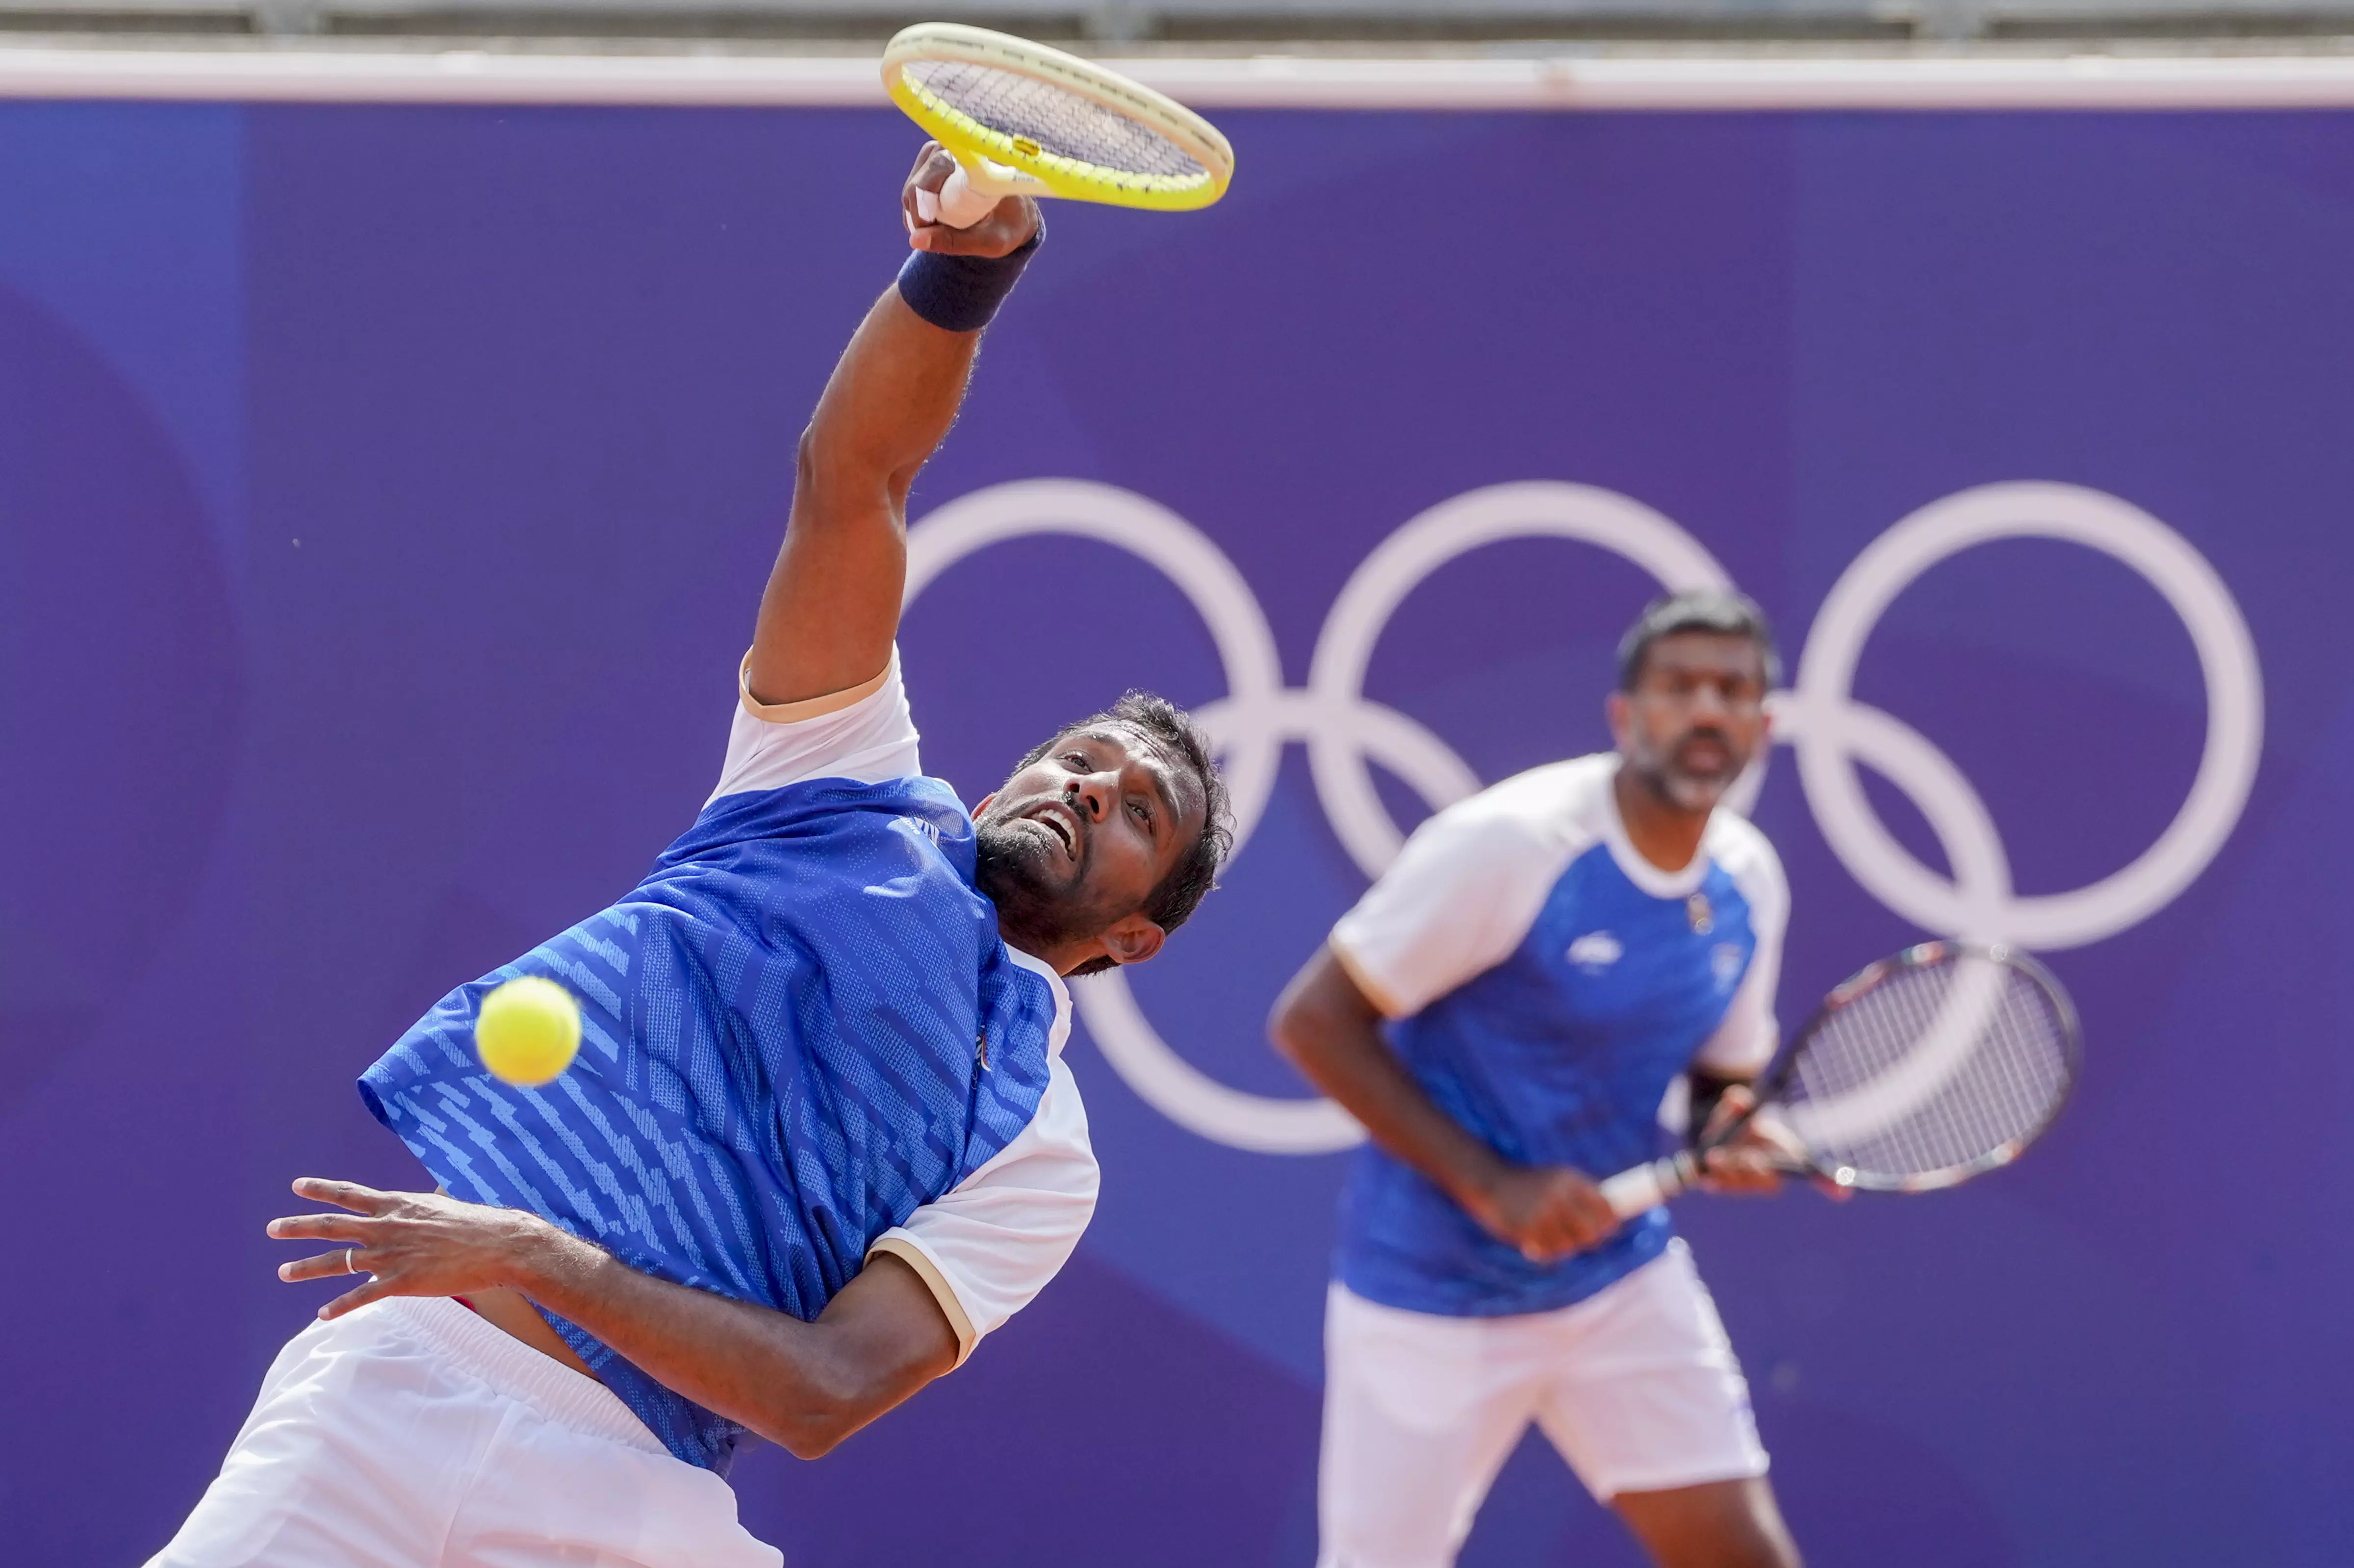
[{"x": 351, "y": 1262}]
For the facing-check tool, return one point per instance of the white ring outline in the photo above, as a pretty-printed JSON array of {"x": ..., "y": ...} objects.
[
  {"x": 1530, "y": 509},
  {"x": 1828, "y": 729},
  {"x": 1083, "y": 509},
  {"x": 2131, "y": 536},
  {"x": 1247, "y": 725}
]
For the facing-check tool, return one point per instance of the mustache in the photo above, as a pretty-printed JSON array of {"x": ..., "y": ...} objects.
[
  {"x": 1071, "y": 818},
  {"x": 1717, "y": 737},
  {"x": 1074, "y": 821}
]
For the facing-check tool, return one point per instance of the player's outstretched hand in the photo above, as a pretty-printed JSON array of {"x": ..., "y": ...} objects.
[
  {"x": 1547, "y": 1212},
  {"x": 412, "y": 1244},
  {"x": 1001, "y": 233}
]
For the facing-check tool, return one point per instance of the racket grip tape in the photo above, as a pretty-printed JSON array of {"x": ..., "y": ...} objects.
[
  {"x": 1646, "y": 1187},
  {"x": 959, "y": 205}
]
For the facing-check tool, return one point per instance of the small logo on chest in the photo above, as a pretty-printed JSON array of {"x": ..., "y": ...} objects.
[
  {"x": 1727, "y": 960},
  {"x": 1596, "y": 951}
]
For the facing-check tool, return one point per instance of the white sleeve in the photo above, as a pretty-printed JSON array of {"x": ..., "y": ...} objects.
[
  {"x": 1744, "y": 1042},
  {"x": 990, "y": 1245},
  {"x": 864, "y": 733},
  {"x": 1458, "y": 899}
]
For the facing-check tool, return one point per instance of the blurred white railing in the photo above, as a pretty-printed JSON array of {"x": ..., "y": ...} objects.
[
  {"x": 1099, "y": 22},
  {"x": 262, "y": 70}
]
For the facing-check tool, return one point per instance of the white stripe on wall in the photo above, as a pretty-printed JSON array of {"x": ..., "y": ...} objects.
[{"x": 468, "y": 76}]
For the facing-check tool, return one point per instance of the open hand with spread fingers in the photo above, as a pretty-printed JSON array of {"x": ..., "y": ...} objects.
[{"x": 415, "y": 1244}]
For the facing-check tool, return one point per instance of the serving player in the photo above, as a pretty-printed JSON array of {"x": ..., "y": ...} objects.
[
  {"x": 818, "y": 1140},
  {"x": 1506, "y": 1011}
]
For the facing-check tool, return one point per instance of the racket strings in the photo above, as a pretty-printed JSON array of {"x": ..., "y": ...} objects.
[
  {"x": 1937, "y": 1067},
  {"x": 1060, "y": 121},
  {"x": 1986, "y": 1100}
]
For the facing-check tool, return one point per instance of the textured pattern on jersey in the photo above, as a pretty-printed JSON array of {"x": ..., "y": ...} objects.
[
  {"x": 1550, "y": 1058},
  {"x": 779, "y": 1061}
]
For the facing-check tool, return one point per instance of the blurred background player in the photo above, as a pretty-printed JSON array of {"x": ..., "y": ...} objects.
[
  {"x": 1506, "y": 1011},
  {"x": 819, "y": 1139}
]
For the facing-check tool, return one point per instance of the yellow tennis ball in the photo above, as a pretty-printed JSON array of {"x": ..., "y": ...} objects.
[{"x": 528, "y": 1031}]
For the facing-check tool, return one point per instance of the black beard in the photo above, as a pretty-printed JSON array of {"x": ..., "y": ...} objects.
[
  {"x": 1667, "y": 779},
  {"x": 1009, "y": 870}
]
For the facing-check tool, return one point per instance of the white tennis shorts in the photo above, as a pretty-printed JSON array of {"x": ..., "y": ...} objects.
[
  {"x": 1637, "y": 1386},
  {"x": 412, "y": 1433}
]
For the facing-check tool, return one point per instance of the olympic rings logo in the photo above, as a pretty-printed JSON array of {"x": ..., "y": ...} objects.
[{"x": 1345, "y": 731}]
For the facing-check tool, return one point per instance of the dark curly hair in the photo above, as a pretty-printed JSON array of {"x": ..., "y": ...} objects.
[{"x": 1169, "y": 726}]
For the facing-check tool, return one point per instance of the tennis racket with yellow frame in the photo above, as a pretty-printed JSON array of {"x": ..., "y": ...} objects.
[{"x": 1020, "y": 119}]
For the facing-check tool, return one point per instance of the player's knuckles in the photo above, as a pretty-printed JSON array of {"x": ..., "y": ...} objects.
[
  {"x": 1022, "y": 221},
  {"x": 308, "y": 1227}
]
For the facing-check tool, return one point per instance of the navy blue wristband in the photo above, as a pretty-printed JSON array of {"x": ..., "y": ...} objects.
[{"x": 960, "y": 293}]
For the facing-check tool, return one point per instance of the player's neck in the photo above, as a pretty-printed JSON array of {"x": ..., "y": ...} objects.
[
  {"x": 1062, "y": 958},
  {"x": 1664, "y": 833}
]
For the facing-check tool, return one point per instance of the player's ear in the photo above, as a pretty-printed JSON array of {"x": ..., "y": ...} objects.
[
  {"x": 982, "y": 804},
  {"x": 1616, "y": 710},
  {"x": 1133, "y": 938}
]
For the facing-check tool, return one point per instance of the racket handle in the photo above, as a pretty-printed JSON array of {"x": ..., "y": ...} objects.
[
  {"x": 1646, "y": 1187},
  {"x": 959, "y": 205}
]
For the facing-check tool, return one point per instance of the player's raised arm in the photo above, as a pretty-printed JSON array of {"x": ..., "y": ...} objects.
[{"x": 831, "y": 606}]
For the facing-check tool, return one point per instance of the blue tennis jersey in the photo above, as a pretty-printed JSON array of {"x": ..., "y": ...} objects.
[
  {"x": 1546, "y": 985},
  {"x": 782, "y": 1057}
]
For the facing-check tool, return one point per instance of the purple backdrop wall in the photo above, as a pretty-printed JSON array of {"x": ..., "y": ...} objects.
[{"x": 383, "y": 497}]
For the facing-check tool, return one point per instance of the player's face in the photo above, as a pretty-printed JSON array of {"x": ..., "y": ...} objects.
[
  {"x": 1073, "y": 843},
  {"x": 1696, "y": 716}
]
